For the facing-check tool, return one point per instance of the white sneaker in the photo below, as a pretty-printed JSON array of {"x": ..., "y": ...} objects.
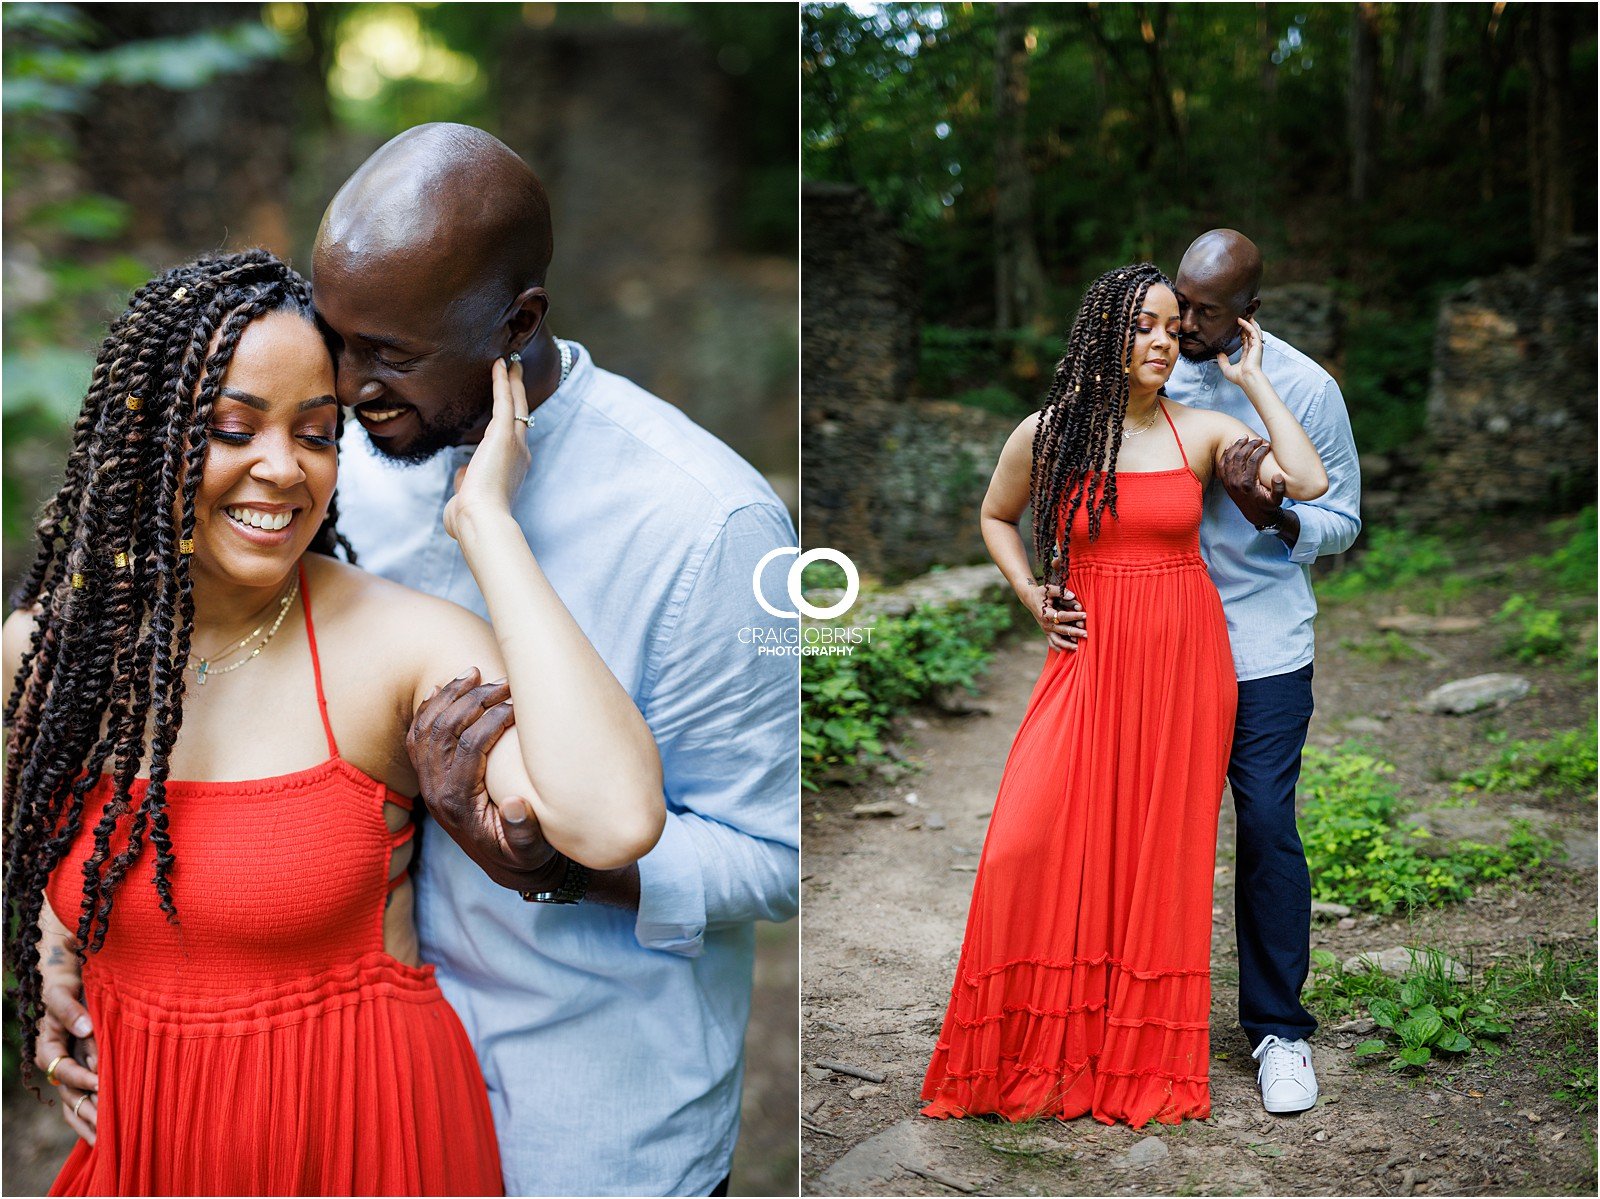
[{"x": 1288, "y": 1083}]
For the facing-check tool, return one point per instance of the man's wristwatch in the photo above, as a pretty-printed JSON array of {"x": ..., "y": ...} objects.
[{"x": 574, "y": 886}]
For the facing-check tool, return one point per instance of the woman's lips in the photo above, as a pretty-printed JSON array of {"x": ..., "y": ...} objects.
[{"x": 263, "y": 537}]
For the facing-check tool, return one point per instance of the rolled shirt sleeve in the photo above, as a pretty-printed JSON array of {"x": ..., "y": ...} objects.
[
  {"x": 1330, "y": 523},
  {"x": 725, "y": 719}
]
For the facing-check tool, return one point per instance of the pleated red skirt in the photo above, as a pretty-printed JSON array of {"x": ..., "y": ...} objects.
[{"x": 1084, "y": 979}]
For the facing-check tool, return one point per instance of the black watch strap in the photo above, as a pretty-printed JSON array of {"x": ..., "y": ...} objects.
[{"x": 574, "y": 886}]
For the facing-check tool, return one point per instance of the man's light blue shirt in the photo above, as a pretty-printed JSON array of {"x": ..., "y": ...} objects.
[
  {"x": 1266, "y": 586},
  {"x": 612, "y": 1042}
]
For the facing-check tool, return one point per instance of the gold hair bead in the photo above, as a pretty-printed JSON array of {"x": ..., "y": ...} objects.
[
  {"x": 186, "y": 546},
  {"x": 134, "y": 403},
  {"x": 77, "y": 581},
  {"x": 180, "y": 293},
  {"x": 122, "y": 561}
]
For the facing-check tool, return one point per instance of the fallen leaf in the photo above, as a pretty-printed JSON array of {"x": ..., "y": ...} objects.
[
  {"x": 1264, "y": 1150},
  {"x": 1476, "y": 1094}
]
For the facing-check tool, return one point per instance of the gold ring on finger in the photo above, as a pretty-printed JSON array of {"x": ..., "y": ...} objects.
[
  {"x": 527, "y": 421},
  {"x": 79, "y": 1104},
  {"x": 50, "y": 1070}
]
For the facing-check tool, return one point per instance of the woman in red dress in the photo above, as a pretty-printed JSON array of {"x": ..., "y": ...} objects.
[
  {"x": 236, "y": 896},
  {"x": 1084, "y": 979}
]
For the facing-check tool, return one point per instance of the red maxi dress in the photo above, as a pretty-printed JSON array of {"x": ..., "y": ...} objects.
[
  {"x": 1084, "y": 980},
  {"x": 267, "y": 1044}
]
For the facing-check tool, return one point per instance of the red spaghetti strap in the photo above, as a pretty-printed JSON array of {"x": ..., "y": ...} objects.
[
  {"x": 316, "y": 663},
  {"x": 1175, "y": 436}
]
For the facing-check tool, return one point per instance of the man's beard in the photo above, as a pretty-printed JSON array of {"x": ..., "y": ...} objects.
[
  {"x": 1204, "y": 351},
  {"x": 435, "y": 435}
]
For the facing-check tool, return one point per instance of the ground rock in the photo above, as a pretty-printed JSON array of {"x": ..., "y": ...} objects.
[
  {"x": 868, "y": 1090},
  {"x": 878, "y": 1159},
  {"x": 1471, "y": 695},
  {"x": 1328, "y": 911},
  {"x": 1364, "y": 725},
  {"x": 876, "y": 809},
  {"x": 1396, "y": 961},
  {"x": 1488, "y": 826},
  {"x": 934, "y": 822},
  {"x": 1347, "y": 922},
  {"x": 1360, "y": 1026},
  {"x": 1421, "y": 622},
  {"x": 1151, "y": 1151}
]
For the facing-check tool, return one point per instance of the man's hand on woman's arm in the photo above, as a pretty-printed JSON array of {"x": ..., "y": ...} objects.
[{"x": 449, "y": 743}]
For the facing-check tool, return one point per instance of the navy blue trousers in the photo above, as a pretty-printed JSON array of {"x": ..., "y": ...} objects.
[{"x": 1272, "y": 886}]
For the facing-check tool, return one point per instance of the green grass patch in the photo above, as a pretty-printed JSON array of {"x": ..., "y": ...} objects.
[
  {"x": 1562, "y": 764},
  {"x": 1360, "y": 855},
  {"x": 847, "y": 702}
]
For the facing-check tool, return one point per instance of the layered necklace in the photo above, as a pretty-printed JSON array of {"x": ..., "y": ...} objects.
[
  {"x": 1135, "y": 430},
  {"x": 204, "y": 668}
]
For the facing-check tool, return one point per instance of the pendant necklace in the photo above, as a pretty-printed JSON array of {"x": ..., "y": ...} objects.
[{"x": 204, "y": 668}]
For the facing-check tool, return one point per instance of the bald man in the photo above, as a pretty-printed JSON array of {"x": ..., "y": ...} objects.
[
  {"x": 1259, "y": 548},
  {"x": 608, "y": 1010}
]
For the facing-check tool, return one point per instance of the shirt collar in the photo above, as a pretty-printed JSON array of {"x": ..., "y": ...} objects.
[{"x": 559, "y": 403}]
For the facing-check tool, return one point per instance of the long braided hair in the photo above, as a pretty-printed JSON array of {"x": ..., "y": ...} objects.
[
  {"x": 1080, "y": 428},
  {"x": 110, "y": 589}
]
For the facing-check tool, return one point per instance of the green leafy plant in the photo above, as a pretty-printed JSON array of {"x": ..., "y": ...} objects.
[
  {"x": 1390, "y": 558},
  {"x": 1561, "y": 764},
  {"x": 848, "y": 700},
  {"x": 1427, "y": 1011},
  {"x": 1536, "y": 633},
  {"x": 1359, "y": 855},
  {"x": 1570, "y": 567}
]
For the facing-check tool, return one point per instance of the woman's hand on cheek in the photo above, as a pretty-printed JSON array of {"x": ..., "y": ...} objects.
[{"x": 489, "y": 481}]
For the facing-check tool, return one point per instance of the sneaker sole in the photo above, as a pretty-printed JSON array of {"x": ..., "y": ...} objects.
[{"x": 1281, "y": 1109}]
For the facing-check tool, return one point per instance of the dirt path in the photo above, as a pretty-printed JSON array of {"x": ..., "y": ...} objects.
[{"x": 885, "y": 905}]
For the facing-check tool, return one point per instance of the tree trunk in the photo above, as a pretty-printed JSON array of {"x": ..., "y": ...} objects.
[
  {"x": 1397, "y": 89},
  {"x": 1153, "y": 32},
  {"x": 1363, "y": 96},
  {"x": 1549, "y": 96},
  {"x": 1433, "y": 60},
  {"x": 1018, "y": 276}
]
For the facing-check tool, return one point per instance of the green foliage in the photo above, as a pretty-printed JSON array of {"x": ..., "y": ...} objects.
[
  {"x": 1390, "y": 558},
  {"x": 1391, "y": 648},
  {"x": 1536, "y": 634},
  {"x": 956, "y": 363},
  {"x": 1562, "y": 764},
  {"x": 1425, "y": 1012},
  {"x": 50, "y": 67},
  {"x": 1387, "y": 363},
  {"x": 1571, "y": 567},
  {"x": 1358, "y": 854},
  {"x": 848, "y": 701}
]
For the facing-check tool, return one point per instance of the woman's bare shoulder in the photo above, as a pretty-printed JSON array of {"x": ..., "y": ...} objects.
[
  {"x": 383, "y": 604},
  {"x": 18, "y": 636}
]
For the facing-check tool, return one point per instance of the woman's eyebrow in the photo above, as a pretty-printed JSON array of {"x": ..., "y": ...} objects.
[{"x": 260, "y": 405}]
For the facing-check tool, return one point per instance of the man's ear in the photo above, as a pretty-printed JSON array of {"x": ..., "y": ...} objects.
[
  {"x": 1250, "y": 309},
  {"x": 526, "y": 318}
]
